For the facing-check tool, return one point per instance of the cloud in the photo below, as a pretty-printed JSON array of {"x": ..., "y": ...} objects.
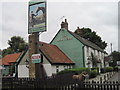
[{"x": 100, "y": 17}]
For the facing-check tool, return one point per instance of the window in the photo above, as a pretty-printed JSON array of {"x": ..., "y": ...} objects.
[
  {"x": 57, "y": 69},
  {"x": 87, "y": 51},
  {"x": 64, "y": 67}
]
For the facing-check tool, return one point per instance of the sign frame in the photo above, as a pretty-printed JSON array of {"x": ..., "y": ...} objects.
[
  {"x": 36, "y": 60},
  {"x": 37, "y": 17}
]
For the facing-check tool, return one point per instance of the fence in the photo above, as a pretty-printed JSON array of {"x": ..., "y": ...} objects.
[{"x": 60, "y": 82}]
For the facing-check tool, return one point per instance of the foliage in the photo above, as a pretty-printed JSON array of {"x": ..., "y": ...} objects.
[
  {"x": 109, "y": 69},
  {"x": 115, "y": 68},
  {"x": 95, "y": 68},
  {"x": 103, "y": 70},
  {"x": 75, "y": 70},
  {"x": 7, "y": 51},
  {"x": 16, "y": 44},
  {"x": 90, "y": 35},
  {"x": 93, "y": 74},
  {"x": 115, "y": 57}
]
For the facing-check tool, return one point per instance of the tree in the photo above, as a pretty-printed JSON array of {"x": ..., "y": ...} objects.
[
  {"x": 90, "y": 35},
  {"x": 115, "y": 57},
  {"x": 16, "y": 44}
]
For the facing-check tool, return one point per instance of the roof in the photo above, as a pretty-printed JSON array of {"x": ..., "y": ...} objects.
[
  {"x": 11, "y": 58},
  {"x": 86, "y": 42},
  {"x": 54, "y": 54}
]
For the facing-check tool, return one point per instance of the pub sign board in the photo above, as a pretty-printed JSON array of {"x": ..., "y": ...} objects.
[
  {"x": 37, "y": 17},
  {"x": 36, "y": 58}
]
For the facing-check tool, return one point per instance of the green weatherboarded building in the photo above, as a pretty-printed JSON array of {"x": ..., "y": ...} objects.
[
  {"x": 71, "y": 46},
  {"x": 76, "y": 48}
]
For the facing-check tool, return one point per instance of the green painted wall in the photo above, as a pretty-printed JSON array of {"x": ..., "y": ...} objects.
[{"x": 70, "y": 46}]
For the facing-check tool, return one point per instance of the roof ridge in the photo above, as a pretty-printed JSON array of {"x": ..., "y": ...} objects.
[{"x": 79, "y": 37}]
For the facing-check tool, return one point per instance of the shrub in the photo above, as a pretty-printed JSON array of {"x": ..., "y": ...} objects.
[
  {"x": 93, "y": 74},
  {"x": 95, "y": 68},
  {"x": 103, "y": 70},
  {"x": 74, "y": 70},
  {"x": 109, "y": 69},
  {"x": 115, "y": 68}
]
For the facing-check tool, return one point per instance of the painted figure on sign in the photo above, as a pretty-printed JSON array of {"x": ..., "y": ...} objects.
[{"x": 33, "y": 20}]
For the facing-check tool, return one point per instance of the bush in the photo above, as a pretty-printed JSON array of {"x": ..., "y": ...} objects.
[
  {"x": 115, "y": 68},
  {"x": 103, "y": 70},
  {"x": 95, "y": 68},
  {"x": 109, "y": 69},
  {"x": 75, "y": 70},
  {"x": 93, "y": 74}
]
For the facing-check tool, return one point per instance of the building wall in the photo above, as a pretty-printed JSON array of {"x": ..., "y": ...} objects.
[
  {"x": 87, "y": 54},
  {"x": 70, "y": 46},
  {"x": 53, "y": 69},
  {"x": 23, "y": 71}
]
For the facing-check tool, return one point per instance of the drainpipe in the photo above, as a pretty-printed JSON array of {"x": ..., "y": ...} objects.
[{"x": 83, "y": 56}]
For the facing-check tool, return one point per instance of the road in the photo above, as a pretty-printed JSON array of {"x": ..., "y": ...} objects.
[{"x": 116, "y": 77}]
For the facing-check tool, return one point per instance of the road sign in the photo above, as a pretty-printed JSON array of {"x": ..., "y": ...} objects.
[{"x": 36, "y": 58}]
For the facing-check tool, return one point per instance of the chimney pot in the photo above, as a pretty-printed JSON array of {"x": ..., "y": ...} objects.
[{"x": 64, "y": 24}]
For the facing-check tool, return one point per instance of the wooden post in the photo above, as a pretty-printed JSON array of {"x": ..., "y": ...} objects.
[{"x": 35, "y": 70}]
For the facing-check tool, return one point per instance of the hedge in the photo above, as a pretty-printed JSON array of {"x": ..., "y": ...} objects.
[
  {"x": 103, "y": 70},
  {"x": 109, "y": 69},
  {"x": 96, "y": 68},
  {"x": 75, "y": 70},
  {"x": 93, "y": 74}
]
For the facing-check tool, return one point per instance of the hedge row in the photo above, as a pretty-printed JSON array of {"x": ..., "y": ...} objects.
[
  {"x": 107, "y": 69},
  {"x": 75, "y": 70},
  {"x": 93, "y": 72}
]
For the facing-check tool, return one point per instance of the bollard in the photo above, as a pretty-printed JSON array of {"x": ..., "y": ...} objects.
[
  {"x": 100, "y": 79},
  {"x": 105, "y": 78}
]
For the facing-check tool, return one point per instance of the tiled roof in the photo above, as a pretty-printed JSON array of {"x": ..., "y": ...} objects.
[
  {"x": 86, "y": 42},
  {"x": 11, "y": 58},
  {"x": 54, "y": 54}
]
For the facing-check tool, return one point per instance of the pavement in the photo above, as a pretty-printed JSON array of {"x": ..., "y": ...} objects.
[{"x": 104, "y": 76}]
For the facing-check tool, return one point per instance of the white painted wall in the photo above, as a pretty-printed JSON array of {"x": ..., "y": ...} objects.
[
  {"x": 51, "y": 69},
  {"x": 87, "y": 53},
  {"x": 23, "y": 71}
]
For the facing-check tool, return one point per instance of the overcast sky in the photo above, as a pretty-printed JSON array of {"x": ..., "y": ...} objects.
[{"x": 101, "y": 17}]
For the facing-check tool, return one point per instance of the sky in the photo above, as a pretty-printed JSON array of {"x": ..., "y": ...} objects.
[{"x": 100, "y": 16}]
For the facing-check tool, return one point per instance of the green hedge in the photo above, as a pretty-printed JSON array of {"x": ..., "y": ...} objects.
[
  {"x": 103, "y": 70},
  {"x": 96, "y": 68},
  {"x": 75, "y": 70},
  {"x": 109, "y": 69},
  {"x": 93, "y": 73},
  {"x": 115, "y": 68}
]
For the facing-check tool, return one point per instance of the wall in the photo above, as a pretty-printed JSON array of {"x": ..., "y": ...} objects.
[
  {"x": 70, "y": 46},
  {"x": 87, "y": 53},
  {"x": 23, "y": 71},
  {"x": 52, "y": 69}
]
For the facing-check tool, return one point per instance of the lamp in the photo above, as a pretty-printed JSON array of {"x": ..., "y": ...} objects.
[{"x": 27, "y": 63}]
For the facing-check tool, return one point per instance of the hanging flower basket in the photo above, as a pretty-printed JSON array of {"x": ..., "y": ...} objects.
[
  {"x": 99, "y": 61},
  {"x": 88, "y": 63}
]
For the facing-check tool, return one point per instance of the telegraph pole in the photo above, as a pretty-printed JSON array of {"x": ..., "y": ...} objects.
[{"x": 111, "y": 47}]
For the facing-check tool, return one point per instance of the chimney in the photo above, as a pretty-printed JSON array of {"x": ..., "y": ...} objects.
[
  {"x": 64, "y": 24},
  {"x": 78, "y": 30}
]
